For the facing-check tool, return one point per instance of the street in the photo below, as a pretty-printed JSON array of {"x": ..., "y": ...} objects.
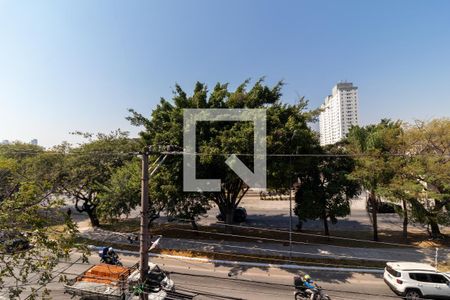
[{"x": 209, "y": 281}]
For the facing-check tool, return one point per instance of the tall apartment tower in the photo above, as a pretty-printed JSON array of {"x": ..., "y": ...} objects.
[{"x": 339, "y": 113}]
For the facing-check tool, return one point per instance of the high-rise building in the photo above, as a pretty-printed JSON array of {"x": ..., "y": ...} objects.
[
  {"x": 339, "y": 113},
  {"x": 34, "y": 142}
]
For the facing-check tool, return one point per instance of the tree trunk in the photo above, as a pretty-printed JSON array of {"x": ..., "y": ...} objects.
[
  {"x": 88, "y": 208},
  {"x": 229, "y": 214},
  {"x": 95, "y": 222},
  {"x": 194, "y": 225},
  {"x": 375, "y": 225},
  {"x": 374, "y": 204},
  {"x": 435, "y": 231},
  {"x": 405, "y": 220},
  {"x": 299, "y": 225},
  {"x": 325, "y": 226}
]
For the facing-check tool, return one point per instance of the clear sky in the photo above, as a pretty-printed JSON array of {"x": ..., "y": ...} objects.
[{"x": 78, "y": 65}]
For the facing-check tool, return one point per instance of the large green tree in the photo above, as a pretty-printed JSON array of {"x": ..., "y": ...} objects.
[
  {"x": 88, "y": 169},
  {"x": 29, "y": 209},
  {"x": 429, "y": 144},
  {"x": 373, "y": 147},
  {"x": 421, "y": 179},
  {"x": 287, "y": 129},
  {"x": 325, "y": 192}
]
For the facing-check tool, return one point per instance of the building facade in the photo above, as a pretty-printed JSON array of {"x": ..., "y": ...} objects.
[{"x": 339, "y": 113}]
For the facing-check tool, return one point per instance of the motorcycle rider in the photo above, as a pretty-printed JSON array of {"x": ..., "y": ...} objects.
[
  {"x": 310, "y": 286},
  {"x": 109, "y": 256}
]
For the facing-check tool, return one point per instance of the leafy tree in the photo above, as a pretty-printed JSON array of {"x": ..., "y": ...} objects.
[
  {"x": 215, "y": 139},
  {"x": 373, "y": 146},
  {"x": 89, "y": 167},
  {"x": 429, "y": 142},
  {"x": 29, "y": 209},
  {"x": 402, "y": 188},
  {"x": 122, "y": 192},
  {"x": 404, "y": 191},
  {"x": 325, "y": 192},
  {"x": 413, "y": 164}
]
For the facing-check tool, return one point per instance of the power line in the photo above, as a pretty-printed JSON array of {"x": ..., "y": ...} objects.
[
  {"x": 179, "y": 153},
  {"x": 313, "y": 235},
  {"x": 59, "y": 273},
  {"x": 262, "y": 283}
]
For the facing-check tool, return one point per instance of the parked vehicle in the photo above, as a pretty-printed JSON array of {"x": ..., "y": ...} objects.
[
  {"x": 415, "y": 281},
  {"x": 301, "y": 294},
  {"x": 105, "y": 281},
  {"x": 240, "y": 215},
  {"x": 12, "y": 241},
  {"x": 385, "y": 208}
]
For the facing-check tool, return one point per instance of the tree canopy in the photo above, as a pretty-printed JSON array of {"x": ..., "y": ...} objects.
[
  {"x": 373, "y": 147},
  {"x": 30, "y": 212},
  {"x": 87, "y": 170},
  {"x": 287, "y": 129},
  {"x": 325, "y": 192}
]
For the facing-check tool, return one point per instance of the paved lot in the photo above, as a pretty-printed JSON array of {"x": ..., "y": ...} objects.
[{"x": 275, "y": 214}]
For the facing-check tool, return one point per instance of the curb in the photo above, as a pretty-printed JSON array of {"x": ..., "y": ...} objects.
[{"x": 251, "y": 264}]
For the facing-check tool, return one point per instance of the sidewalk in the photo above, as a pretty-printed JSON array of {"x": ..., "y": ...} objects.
[{"x": 274, "y": 249}]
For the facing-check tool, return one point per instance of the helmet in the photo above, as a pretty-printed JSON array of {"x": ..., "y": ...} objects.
[
  {"x": 110, "y": 249},
  {"x": 306, "y": 277}
]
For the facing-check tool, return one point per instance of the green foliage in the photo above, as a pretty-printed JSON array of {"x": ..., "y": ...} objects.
[
  {"x": 287, "y": 129},
  {"x": 374, "y": 147},
  {"x": 29, "y": 209},
  {"x": 88, "y": 168},
  {"x": 408, "y": 164},
  {"x": 325, "y": 192},
  {"x": 428, "y": 170},
  {"x": 121, "y": 193}
]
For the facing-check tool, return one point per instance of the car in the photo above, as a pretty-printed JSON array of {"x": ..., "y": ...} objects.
[
  {"x": 11, "y": 241},
  {"x": 415, "y": 281},
  {"x": 385, "y": 208},
  {"x": 240, "y": 215}
]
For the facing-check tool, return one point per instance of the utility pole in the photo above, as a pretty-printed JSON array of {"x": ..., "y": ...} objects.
[
  {"x": 144, "y": 241},
  {"x": 144, "y": 232}
]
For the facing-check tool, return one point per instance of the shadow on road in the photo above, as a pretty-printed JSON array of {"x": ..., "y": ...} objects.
[{"x": 281, "y": 221}]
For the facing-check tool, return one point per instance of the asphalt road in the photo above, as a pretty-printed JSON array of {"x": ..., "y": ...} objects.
[
  {"x": 211, "y": 281},
  {"x": 275, "y": 214}
]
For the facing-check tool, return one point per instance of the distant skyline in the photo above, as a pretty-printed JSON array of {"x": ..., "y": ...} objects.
[{"x": 79, "y": 65}]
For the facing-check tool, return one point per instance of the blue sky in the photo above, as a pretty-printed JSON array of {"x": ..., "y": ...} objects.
[{"x": 78, "y": 65}]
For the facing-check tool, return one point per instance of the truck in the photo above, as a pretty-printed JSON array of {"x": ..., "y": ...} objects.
[{"x": 104, "y": 281}]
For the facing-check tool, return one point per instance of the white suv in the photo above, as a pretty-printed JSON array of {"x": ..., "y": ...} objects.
[{"x": 417, "y": 281}]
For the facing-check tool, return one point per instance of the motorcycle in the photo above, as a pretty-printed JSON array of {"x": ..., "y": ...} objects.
[
  {"x": 110, "y": 260},
  {"x": 301, "y": 293}
]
